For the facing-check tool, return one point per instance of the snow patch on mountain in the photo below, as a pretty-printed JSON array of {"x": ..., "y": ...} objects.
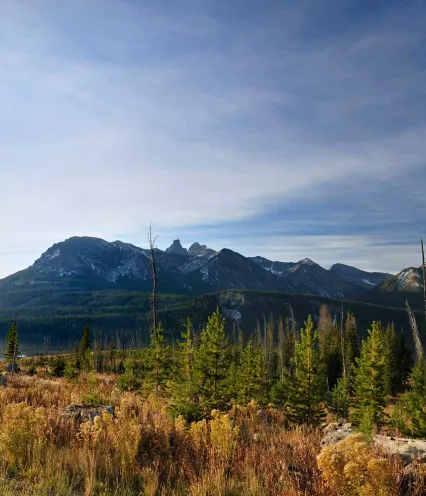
[
  {"x": 205, "y": 271},
  {"x": 54, "y": 254}
]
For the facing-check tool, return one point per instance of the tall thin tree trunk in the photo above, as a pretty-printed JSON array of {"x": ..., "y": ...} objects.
[
  {"x": 154, "y": 280},
  {"x": 342, "y": 342}
]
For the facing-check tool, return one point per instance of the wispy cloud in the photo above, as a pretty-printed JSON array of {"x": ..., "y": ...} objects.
[{"x": 211, "y": 119}]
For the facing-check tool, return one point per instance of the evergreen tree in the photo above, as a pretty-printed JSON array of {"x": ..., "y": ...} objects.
[
  {"x": 414, "y": 401},
  {"x": 86, "y": 341},
  {"x": 269, "y": 348},
  {"x": 329, "y": 346},
  {"x": 58, "y": 364},
  {"x": 369, "y": 386},
  {"x": 11, "y": 353},
  {"x": 252, "y": 376},
  {"x": 338, "y": 399},
  {"x": 184, "y": 391},
  {"x": 404, "y": 362},
  {"x": 280, "y": 349},
  {"x": 112, "y": 355},
  {"x": 306, "y": 390},
  {"x": 212, "y": 360},
  {"x": 279, "y": 391},
  {"x": 158, "y": 361},
  {"x": 351, "y": 345},
  {"x": 285, "y": 350},
  {"x": 289, "y": 343},
  {"x": 391, "y": 371}
]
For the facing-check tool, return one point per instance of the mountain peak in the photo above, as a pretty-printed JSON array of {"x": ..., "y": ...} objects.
[
  {"x": 198, "y": 250},
  {"x": 176, "y": 248},
  {"x": 307, "y": 261}
]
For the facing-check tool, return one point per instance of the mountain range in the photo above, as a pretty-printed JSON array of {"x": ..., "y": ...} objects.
[{"x": 84, "y": 263}]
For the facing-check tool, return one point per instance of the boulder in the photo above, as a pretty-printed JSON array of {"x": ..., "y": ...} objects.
[
  {"x": 407, "y": 449},
  {"x": 3, "y": 380},
  {"x": 83, "y": 413},
  {"x": 335, "y": 432}
]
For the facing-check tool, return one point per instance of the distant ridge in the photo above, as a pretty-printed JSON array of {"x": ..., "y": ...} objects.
[{"x": 87, "y": 263}]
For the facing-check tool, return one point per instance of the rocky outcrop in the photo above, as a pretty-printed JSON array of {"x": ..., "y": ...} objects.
[
  {"x": 197, "y": 250},
  {"x": 176, "y": 248},
  {"x": 406, "y": 449},
  {"x": 83, "y": 413},
  {"x": 335, "y": 432}
]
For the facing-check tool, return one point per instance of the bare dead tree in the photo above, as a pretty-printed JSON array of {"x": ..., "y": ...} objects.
[
  {"x": 151, "y": 242},
  {"x": 342, "y": 341},
  {"x": 416, "y": 336}
]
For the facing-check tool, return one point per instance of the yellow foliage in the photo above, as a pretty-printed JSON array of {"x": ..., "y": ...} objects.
[
  {"x": 199, "y": 433},
  {"x": 223, "y": 437},
  {"x": 22, "y": 431},
  {"x": 351, "y": 468}
]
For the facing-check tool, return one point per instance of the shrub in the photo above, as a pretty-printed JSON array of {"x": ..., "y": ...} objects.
[
  {"x": 71, "y": 372},
  {"x": 58, "y": 366},
  {"x": 129, "y": 381},
  {"x": 22, "y": 432},
  {"x": 351, "y": 468}
]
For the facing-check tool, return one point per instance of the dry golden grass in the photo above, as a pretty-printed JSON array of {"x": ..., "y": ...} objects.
[{"x": 142, "y": 450}]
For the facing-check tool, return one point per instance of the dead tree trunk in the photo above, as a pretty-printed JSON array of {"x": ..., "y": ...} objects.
[
  {"x": 151, "y": 242},
  {"x": 342, "y": 342}
]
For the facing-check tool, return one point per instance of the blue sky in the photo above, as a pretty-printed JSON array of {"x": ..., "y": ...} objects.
[{"x": 288, "y": 129}]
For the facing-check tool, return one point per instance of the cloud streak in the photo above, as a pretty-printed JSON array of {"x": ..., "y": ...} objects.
[{"x": 211, "y": 120}]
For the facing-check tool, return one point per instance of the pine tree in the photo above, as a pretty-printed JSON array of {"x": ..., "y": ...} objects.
[
  {"x": 158, "y": 363},
  {"x": 351, "y": 345},
  {"x": 329, "y": 346},
  {"x": 414, "y": 401},
  {"x": 85, "y": 346},
  {"x": 252, "y": 375},
  {"x": 289, "y": 343},
  {"x": 369, "y": 386},
  {"x": 86, "y": 341},
  {"x": 212, "y": 360},
  {"x": 11, "y": 353},
  {"x": 285, "y": 352},
  {"x": 404, "y": 362},
  {"x": 338, "y": 399},
  {"x": 388, "y": 359},
  {"x": 391, "y": 372},
  {"x": 306, "y": 390},
  {"x": 112, "y": 355},
  {"x": 279, "y": 391},
  {"x": 183, "y": 386},
  {"x": 280, "y": 349},
  {"x": 269, "y": 349}
]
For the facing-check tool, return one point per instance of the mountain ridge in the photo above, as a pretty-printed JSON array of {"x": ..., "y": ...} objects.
[{"x": 93, "y": 263}]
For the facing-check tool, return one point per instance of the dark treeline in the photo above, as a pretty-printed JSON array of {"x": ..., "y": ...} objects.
[{"x": 59, "y": 319}]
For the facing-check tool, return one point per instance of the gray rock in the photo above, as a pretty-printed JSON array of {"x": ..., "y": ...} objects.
[
  {"x": 83, "y": 413},
  {"x": 406, "y": 449},
  {"x": 3, "y": 380},
  {"x": 335, "y": 432}
]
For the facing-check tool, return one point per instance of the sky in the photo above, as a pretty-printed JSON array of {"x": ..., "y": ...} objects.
[{"x": 287, "y": 129}]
